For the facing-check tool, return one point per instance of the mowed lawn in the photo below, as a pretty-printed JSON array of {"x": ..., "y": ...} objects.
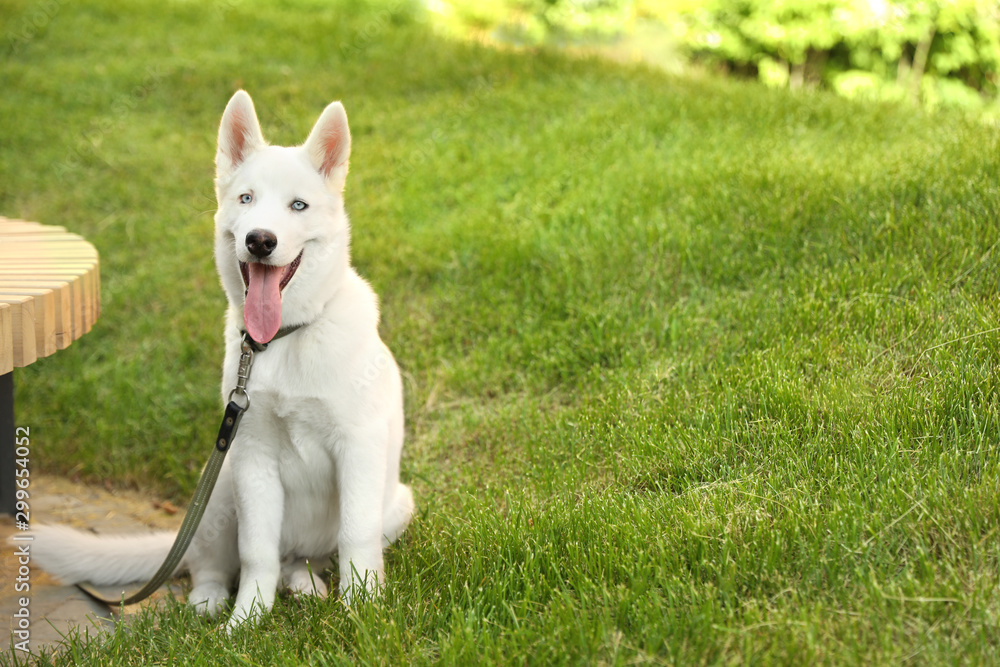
[{"x": 696, "y": 372}]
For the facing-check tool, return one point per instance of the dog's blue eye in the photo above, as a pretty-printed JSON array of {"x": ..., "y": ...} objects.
[
  {"x": 299, "y": 205},
  {"x": 246, "y": 198}
]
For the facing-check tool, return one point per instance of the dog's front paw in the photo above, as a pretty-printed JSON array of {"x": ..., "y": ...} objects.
[
  {"x": 299, "y": 578},
  {"x": 244, "y": 617},
  {"x": 304, "y": 582},
  {"x": 208, "y": 599},
  {"x": 361, "y": 588},
  {"x": 253, "y": 600}
]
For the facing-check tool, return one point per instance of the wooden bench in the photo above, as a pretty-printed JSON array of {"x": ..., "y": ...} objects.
[{"x": 50, "y": 295}]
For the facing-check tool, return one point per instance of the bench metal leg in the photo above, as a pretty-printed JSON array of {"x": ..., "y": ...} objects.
[{"x": 7, "y": 466}]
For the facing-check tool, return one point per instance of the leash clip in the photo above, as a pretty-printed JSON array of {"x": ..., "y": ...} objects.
[{"x": 243, "y": 373}]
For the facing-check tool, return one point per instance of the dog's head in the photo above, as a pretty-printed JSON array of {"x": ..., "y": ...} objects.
[{"x": 281, "y": 234}]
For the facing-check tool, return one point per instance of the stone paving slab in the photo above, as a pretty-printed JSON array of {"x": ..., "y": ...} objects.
[{"x": 54, "y": 608}]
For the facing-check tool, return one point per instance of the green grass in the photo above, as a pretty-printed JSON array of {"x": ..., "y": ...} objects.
[{"x": 696, "y": 372}]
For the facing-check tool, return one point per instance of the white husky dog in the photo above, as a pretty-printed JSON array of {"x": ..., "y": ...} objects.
[{"x": 314, "y": 468}]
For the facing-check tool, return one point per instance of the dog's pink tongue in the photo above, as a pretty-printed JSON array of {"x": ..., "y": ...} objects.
[{"x": 262, "y": 310}]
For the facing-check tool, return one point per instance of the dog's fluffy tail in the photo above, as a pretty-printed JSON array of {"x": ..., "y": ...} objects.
[{"x": 72, "y": 556}]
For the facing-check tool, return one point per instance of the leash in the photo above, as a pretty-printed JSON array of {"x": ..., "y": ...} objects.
[{"x": 238, "y": 403}]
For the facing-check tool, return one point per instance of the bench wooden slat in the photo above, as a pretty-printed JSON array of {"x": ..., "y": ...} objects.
[
  {"x": 28, "y": 272},
  {"x": 97, "y": 288},
  {"x": 14, "y": 255},
  {"x": 81, "y": 292},
  {"x": 60, "y": 271},
  {"x": 6, "y": 339},
  {"x": 44, "y": 312},
  {"x": 62, "y": 292},
  {"x": 48, "y": 237},
  {"x": 26, "y": 263},
  {"x": 23, "y": 328},
  {"x": 8, "y": 226},
  {"x": 14, "y": 232}
]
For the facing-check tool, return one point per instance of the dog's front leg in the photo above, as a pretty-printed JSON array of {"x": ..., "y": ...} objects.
[
  {"x": 259, "y": 508},
  {"x": 361, "y": 481}
]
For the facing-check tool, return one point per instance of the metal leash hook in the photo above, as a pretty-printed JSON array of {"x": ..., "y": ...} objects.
[
  {"x": 235, "y": 410},
  {"x": 243, "y": 373}
]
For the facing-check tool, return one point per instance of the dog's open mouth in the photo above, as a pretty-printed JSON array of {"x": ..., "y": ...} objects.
[{"x": 262, "y": 308}]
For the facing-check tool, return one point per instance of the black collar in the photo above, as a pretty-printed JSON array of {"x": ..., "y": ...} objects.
[{"x": 260, "y": 347}]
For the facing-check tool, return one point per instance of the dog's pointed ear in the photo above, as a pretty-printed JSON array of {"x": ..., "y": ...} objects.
[
  {"x": 239, "y": 134},
  {"x": 329, "y": 146}
]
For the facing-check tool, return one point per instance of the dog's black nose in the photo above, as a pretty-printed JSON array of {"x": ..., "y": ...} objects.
[{"x": 261, "y": 242}]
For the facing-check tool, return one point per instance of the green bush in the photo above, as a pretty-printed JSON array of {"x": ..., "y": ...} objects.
[
  {"x": 931, "y": 52},
  {"x": 537, "y": 21},
  {"x": 935, "y": 52}
]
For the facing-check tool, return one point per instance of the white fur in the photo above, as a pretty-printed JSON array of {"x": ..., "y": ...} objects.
[{"x": 314, "y": 469}]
